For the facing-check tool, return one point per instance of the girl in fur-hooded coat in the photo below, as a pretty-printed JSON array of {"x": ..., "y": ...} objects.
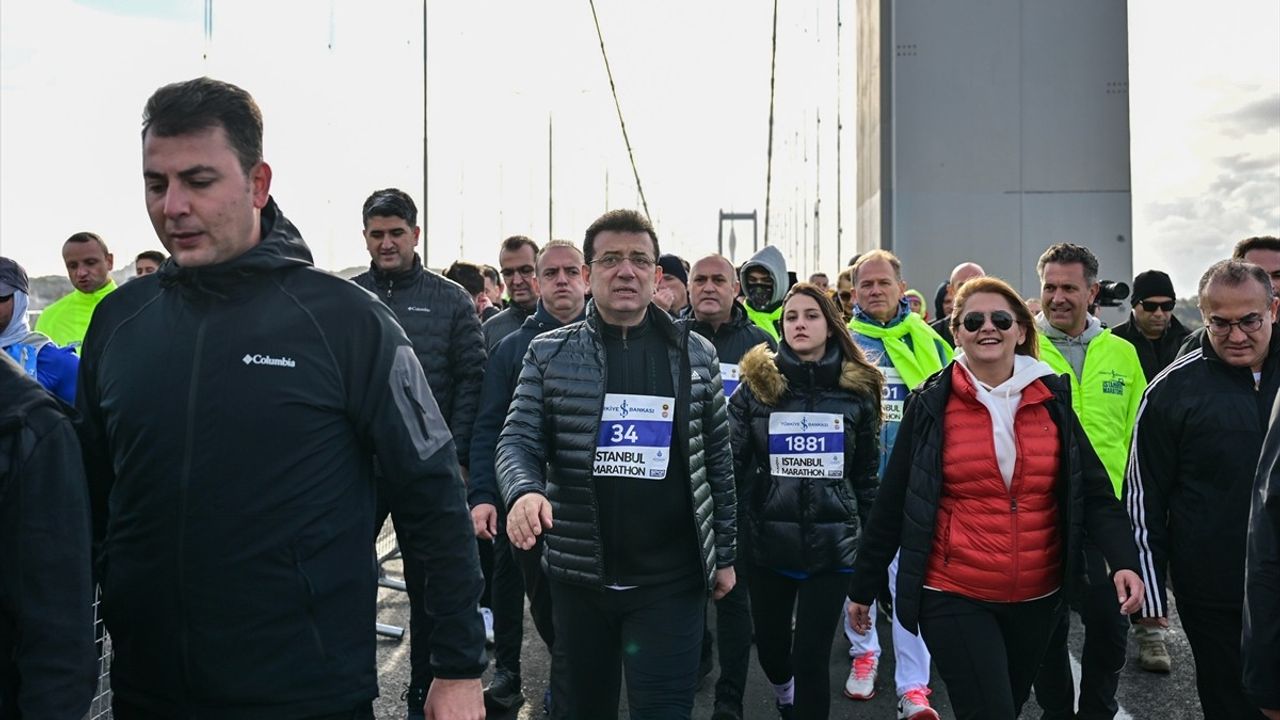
[{"x": 805, "y": 427}]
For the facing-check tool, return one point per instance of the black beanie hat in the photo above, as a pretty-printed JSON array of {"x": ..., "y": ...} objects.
[
  {"x": 1151, "y": 283},
  {"x": 671, "y": 265}
]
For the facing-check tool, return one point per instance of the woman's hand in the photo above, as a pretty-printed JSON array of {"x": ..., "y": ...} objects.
[
  {"x": 860, "y": 618},
  {"x": 1129, "y": 591}
]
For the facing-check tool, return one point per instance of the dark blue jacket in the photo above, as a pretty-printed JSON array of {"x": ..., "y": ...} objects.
[{"x": 500, "y": 377}]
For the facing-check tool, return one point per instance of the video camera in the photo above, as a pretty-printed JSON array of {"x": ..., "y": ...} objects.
[{"x": 1112, "y": 293}]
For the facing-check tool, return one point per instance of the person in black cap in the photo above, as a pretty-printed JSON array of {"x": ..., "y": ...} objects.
[
  {"x": 672, "y": 294},
  {"x": 53, "y": 367},
  {"x": 1152, "y": 327}
]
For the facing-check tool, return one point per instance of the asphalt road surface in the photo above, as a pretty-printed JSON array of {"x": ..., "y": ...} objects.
[{"x": 1142, "y": 695}]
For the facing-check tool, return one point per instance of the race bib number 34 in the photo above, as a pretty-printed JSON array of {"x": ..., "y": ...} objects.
[
  {"x": 635, "y": 437},
  {"x": 806, "y": 445}
]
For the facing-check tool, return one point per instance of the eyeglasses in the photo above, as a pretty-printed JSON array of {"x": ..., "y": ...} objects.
[
  {"x": 974, "y": 321},
  {"x": 609, "y": 261},
  {"x": 1221, "y": 328},
  {"x": 524, "y": 270},
  {"x": 1152, "y": 306}
]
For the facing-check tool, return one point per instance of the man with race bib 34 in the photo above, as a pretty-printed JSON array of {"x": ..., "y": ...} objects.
[{"x": 619, "y": 423}]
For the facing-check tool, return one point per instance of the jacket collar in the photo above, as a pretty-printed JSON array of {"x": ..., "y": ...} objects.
[
  {"x": 542, "y": 320},
  {"x": 382, "y": 278},
  {"x": 903, "y": 310},
  {"x": 737, "y": 320},
  {"x": 281, "y": 248},
  {"x": 661, "y": 321},
  {"x": 806, "y": 375}
]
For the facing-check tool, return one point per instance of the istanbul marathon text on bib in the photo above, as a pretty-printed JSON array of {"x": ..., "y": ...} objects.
[{"x": 635, "y": 437}]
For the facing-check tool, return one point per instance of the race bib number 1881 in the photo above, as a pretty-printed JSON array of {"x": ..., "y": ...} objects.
[
  {"x": 806, "y": 444},
  {"x": 635, "y": 437}
]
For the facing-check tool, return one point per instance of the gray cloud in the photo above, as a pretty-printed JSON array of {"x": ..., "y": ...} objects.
[
  {"x": 1259, "y": 116},
  {"x": 1188, "y": 233}
]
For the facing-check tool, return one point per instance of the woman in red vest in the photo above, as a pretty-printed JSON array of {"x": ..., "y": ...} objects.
[{"x": 989, "y": 492}]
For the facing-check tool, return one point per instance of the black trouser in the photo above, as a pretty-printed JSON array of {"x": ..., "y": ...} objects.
[
  {"x": 987, "y": 653},
  {"x": 1214, "y": 634},
  {"x": 420, "y": 621},
  {"x": 123, "y": 710},
  {"x": 507, "y": 604},
  {"x": 733, "y": 629},
  {"x": 806, "y": 653},
  {"x": 538, "y": 588},
  {"x": 1106, "y": 636},
  {"x": 653, "y": 633}
]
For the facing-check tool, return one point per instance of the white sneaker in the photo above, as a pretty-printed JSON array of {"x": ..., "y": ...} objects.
[
  {"x": 487, "y": 614},
  {"x": 914, "y": 705},
  {"x": 861, "y": 684}
]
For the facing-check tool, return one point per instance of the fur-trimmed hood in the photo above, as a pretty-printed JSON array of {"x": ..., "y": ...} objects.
[{"x": 760, "y": 371}]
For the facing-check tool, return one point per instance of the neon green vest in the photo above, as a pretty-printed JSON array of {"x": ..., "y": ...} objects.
[
  {"x": 66, "y": 321},
  {"x": 765, "y": 320},
  {"x": 1106, "y": 397}
]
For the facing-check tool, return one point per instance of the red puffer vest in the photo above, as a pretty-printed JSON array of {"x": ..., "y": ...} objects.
[{"x": 990, "y": 543}]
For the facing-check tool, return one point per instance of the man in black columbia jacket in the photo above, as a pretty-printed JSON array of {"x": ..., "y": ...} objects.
[
  {"x": 47, "y": 667},
  {"x": 619, "y": 424},
  {"x": 563, "y": 287},
  {"x": 1195, "y": 451},
  {"x": 233, "y": 403},
  {"x": 715, "y": 314},
  {"x": 440, "y": 319}
]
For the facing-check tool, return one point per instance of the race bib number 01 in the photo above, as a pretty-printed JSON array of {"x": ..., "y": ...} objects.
[
  {"x": 893, "y": 396},
  {"x": 729, "y": 377},
  {"x": 635, "y": 437},
  {"x": 806, "y": 445}
]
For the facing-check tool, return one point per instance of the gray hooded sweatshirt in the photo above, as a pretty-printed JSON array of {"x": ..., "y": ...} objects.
[{"x": 770, "y": 260}]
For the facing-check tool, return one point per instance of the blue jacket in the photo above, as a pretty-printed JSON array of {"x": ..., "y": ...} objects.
[
  {"x": 500, "y": 377},
  {"x": 873, "y": 348}
]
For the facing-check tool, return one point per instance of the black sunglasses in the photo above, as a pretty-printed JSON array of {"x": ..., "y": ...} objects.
[
  {"x": 1002, "y": 319},
  {"x": 1152, "y": 306}
]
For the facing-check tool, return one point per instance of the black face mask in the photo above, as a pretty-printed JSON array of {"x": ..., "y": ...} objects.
[{"x": 759, "y": 295}]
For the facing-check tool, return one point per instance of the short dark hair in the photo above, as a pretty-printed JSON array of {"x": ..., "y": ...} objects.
[
  {"x": 390, "y": 202},
  {"x": 154, "y": 256},
  {"x": 1261, "y": 242},
  {"x": 86, "y": 236},
  {"x": 1233, "y": 273},
  {"x": 492, "y": 274},
  {"x": 467, "y": 275},
  {"x": 515, "y": 242},
  {"x": 1067, "y": 254},
  {"x": 186, "y": 107},
  {"x": 628, "y": 221}
]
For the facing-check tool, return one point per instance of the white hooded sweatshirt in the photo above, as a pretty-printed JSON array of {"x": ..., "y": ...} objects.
[{"x": 1002, "y": 401}]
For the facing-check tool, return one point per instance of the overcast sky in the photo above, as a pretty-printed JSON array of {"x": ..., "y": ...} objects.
[{"x": 340, "y": 85}]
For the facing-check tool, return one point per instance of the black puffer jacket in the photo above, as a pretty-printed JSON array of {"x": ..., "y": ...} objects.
[
  {"x": 1155, "y": 355},
  {"x": 440, "y": 319},
  {"x": 806, "y": 524},
  {"x": 907, "y": 506},
  {"x": 555, "y": 419}
]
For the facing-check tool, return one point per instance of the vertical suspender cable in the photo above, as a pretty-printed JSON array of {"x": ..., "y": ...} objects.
[
  {"x": 839, "y": 132},
  {"x": 618, "y": 106},
  {"x": 768, "y": 173}
]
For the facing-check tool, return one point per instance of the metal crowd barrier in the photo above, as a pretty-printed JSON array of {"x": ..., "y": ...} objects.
[
  {"x": 386, "y": 549},
  {"x": 100, "y": 709}
]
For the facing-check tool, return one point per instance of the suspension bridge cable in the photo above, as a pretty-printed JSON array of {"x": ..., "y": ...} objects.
[
  {"x": 618, "y": 106},
  {"x": 773, "y": 73}
]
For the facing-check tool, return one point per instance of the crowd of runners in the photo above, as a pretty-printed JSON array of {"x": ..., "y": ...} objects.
[{"x": 617, "y": 441}]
